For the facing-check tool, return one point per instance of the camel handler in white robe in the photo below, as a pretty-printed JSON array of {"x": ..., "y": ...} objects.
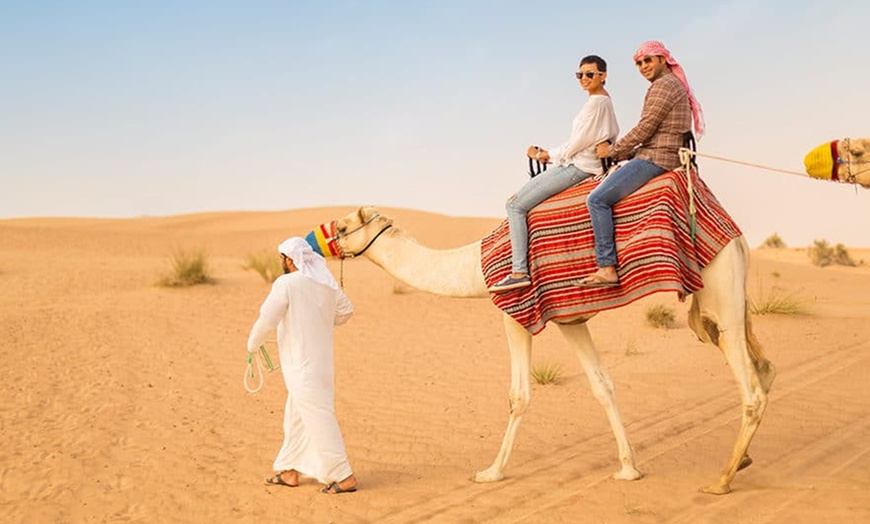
[{"x": 304, "y": 305}]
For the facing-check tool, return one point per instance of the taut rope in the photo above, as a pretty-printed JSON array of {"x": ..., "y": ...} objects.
[{"x": 688, "y": 152}]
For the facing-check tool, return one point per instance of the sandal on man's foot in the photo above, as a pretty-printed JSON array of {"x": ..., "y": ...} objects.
[
  {"x": 510, "y": 283},
  {"x": 333, "y": 489},
  {"x": 278, "y": 480},
  {"x": 596, "y": 280}
]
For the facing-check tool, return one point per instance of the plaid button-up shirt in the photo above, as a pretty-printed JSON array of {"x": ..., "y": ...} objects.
[{"x": 659, "y": 134}]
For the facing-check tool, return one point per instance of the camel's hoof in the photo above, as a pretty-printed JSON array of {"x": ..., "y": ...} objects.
[
  {"x": 487, "y": 475},
  {"x": 720, "y": 489},
  {"x": 745, "y": 462},
  {"x": 628, "y": 473}
]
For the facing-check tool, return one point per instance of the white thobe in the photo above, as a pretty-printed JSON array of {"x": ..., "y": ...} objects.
[{"x": 304, "y": 313}]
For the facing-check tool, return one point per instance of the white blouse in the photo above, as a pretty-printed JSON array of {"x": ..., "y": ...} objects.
[{"x": 595, "y": 123}]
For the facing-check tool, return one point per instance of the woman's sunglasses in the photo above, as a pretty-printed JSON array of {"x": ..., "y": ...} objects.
[{"x": 588, "y": 74}]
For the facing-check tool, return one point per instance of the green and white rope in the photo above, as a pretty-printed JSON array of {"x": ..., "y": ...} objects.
[{"x": 259, "y": 357}]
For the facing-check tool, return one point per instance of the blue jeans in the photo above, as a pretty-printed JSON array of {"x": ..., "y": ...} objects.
[
  {"x": 550, "y": 182},
  {"x": 616, "y": 186}
]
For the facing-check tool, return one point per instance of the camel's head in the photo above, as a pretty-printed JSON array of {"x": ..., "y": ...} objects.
[
  {"x": 349, "y": 236},
  {"x": 855, "y": 160},
  {"x": 846, "y": 160}
]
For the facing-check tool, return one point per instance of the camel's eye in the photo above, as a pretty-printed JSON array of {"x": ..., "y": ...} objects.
[{"x": 342, "y": 229}]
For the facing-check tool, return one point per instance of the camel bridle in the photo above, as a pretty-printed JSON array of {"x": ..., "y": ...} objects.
[
  {"x": 341, "y": 235},
  {"x": 849, "y": 160}
]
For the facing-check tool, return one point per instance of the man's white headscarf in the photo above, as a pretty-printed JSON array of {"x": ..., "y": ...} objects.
[{"x": 309, "y": 263}]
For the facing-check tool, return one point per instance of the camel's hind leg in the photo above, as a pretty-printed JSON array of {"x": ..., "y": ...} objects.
[
  {"x": 520, "y": 345},
  {"x": 579, "y": 338},
  {"x": 719, "y": 315}
]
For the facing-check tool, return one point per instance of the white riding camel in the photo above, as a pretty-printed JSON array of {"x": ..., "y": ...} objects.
[{"x": 718, "y": 314}]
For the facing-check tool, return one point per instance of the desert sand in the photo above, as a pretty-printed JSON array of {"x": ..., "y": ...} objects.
[{"x": 122, "y": 401}]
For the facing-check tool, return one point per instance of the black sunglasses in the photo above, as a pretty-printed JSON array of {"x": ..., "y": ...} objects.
[
  {"x": 589, "y": 74},
  {"x": 644, "y": 60}
]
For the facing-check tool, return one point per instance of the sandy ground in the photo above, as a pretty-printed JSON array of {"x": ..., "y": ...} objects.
[{"x": 122, "y": 401}]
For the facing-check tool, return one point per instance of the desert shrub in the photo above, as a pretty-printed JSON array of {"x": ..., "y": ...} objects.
[
  {"x": 188, "y": 269},
  {"x": 547, "y": 373},
  {"x": 659, "y": 316},
  {"x": 842, "y": 257},
  {"x": 773, "y": 241},
  {"x": 822, "y": 254},
  {"x": 265, "y": 264},
  {"x": 777, "y": 302}
]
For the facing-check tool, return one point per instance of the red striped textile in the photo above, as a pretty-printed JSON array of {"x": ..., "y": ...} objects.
[{"x": 653, "y": 241}]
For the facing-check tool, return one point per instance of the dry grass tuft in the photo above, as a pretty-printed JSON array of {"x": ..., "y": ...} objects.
[
  {"x": 822, "y": 254},
  {"x": 547, "y": 374},
  {"x": 777, "y": 302},
  {"x": 773, "y": 241},
  {"x": 631, "y": 349},
  {"x": 265, "y": 264},
  {"x": 659, "y": 316},
  {"x": 188, "y": 269}
]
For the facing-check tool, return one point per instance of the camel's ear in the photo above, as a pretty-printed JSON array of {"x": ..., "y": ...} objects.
[{"x": 365, "y": 213}]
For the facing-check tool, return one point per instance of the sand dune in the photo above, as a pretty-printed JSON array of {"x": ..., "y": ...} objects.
[{"x": 123, "y": 401}]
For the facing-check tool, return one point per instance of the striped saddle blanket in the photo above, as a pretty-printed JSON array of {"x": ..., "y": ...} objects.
[{"x": 660, "y": 246}]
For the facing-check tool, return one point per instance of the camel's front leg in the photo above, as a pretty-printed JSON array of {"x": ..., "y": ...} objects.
[
  {"x": 520, "y": 345},
  {"x": 602, "y": 387}
]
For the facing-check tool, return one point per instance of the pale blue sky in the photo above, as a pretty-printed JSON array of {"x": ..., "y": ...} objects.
[{"x": 126, "y": 109}]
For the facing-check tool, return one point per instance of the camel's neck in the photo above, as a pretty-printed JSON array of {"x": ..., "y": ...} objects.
[{"x": 451, "y": 272}]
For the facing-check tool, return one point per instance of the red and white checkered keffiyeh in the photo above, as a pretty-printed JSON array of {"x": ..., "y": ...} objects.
[{"x": 656, "y": 48}]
